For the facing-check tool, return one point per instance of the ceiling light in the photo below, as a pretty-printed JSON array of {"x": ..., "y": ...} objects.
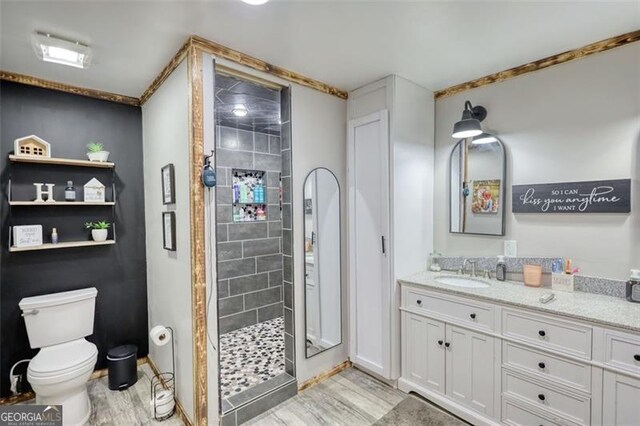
[
  {"x": 240, "y": 110},
  {"x": 54, "y": 49},
  {"x": 469, "y": 124},
  {"x": 255, "y": 2},
  {"x": 483, "y": 138}
]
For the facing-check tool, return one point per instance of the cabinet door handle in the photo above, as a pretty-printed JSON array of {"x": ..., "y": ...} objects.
[
  {"x": 440, "y": 342},
  {"x": 636, "y": 357},
  {"x": 419, "y": 302},
  {"x": 447, "y": 344},
  {"x": 473, "y": 316},
  {"x": 541, "y": 365},
  {"x": 542, "y": 333},
  {"x": 541, "y": 397},
  {"x": 384, "y": 249}
]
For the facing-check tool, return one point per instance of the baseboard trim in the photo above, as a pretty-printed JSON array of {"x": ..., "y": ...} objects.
[
  {"x": 324, "y": 376},
  {"x": 459, "y": 410},
  {"x": 179, "y": 408}
]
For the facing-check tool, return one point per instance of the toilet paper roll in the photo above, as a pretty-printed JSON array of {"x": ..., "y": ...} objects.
[{"x": 160, "y": 335}]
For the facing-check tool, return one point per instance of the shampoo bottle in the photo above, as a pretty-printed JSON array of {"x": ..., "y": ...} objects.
[
  {"x": 501, "y": 269},
  {"x": 69, "y": 192},
  {"x": 54, "y": 236}
]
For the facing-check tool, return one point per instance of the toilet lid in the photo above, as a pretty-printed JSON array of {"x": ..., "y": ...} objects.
[{"x": 54, "y": 360}]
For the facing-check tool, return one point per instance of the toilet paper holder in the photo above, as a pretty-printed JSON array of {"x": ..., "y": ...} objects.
[{"x": 163, "y": 385}]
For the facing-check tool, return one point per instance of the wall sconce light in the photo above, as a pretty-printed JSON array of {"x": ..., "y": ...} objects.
[
  {"x": 469, "y": 124},
  {"x": 240, "y": 110},
  {"x": 483, "y": 138}
]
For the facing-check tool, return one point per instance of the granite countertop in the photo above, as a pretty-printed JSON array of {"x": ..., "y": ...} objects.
[{"x": 596, "y": 308}]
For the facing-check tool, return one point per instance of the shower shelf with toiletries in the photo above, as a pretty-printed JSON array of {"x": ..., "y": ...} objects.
[
  {"x": 249, "y": 195},
  {"x": 30, "y": 218}
]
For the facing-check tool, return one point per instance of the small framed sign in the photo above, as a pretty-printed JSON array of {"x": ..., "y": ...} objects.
[
  {"x": 27, "y": 235},
  {"x": 600, "y": 196},
  {"x": 168, "y": 184},
  {"x": 169, "y": 231}
]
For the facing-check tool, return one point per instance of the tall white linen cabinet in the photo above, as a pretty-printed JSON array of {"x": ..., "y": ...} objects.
[{"x": 390, "y": 212}]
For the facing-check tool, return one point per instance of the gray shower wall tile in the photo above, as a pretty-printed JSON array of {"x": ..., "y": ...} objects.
[
  {"x": 267, "y": 313},
  {"x": 286, "y": 162},
  {"x": 248, "y": 284},
  {"x": 230, "y": 305},
  {"x": 245, "y": 140},
  {"x": 221, "y": 177},
  {"x": 288, "y": 321},
  {"x": 285, "y": 135},
  {"x": 286, "y": 216},
  {"x": 262, "y": 298},
  {"x": 268, "y": 162},
  {"x": 248, "y": 231},
  {"x": 236, "y": 321},
  {"x": 275, "y": 229},
  {"x": 228, "y": 251},
  {"x": 269, "y": 263},
  {"x": 224, "y": 213},
  {"x": 236, "y": 268},
  {"x": 288, "y": 346},
  {"x": 287, "y": 267},
  {"x": 274, "y": 144},
  {"x": 273, "y": 212},
  {"x": 286, "y": 242},
  {"x": 234, "y": 159},
  {"x": 223, "y": 289},
  {"x": 286, "y": 189},
  {"x": 275, "y": 278},
  {"x": 260, "y": 247},
  {"x": 273, "y": 179},
  {"x": 221, "y": 233},
  {"x": 223, "y": 195},
  {"x": 287, "y": 288},
  {"x": 227, "y": 138},
  {"x": 261, "y": 142}
]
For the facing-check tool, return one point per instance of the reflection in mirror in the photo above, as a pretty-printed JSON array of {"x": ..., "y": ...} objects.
[
  {"x": 478, "y": 181},
  {"x": 322, "y": 261}
]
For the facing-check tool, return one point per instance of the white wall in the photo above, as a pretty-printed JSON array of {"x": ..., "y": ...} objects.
[
  {"x": 165, "y": 123},
  {"x": 575, "y": 121}
]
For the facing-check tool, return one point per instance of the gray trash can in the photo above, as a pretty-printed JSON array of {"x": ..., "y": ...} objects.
[{"x": 122, "y": 364}]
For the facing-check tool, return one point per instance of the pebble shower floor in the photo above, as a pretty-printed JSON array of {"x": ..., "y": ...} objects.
[{"x": 251, "y": 355}]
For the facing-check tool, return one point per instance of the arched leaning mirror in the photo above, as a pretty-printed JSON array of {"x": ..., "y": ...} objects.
[
  {"x": 323, "y": 313},
  {"x": 477, "y": 186}
]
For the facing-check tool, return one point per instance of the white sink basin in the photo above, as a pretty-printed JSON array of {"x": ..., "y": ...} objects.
[{"x": 459, "y": 281}]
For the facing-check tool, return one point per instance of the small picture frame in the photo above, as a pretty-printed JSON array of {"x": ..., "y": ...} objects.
[
  {"x": 169, "y": 231},
  {"x": 168, "y": 184}
]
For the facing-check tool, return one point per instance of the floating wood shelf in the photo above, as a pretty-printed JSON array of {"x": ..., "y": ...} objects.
[
  {"x": 60, "y": 203},
  {"x": 62, "y": 245},
  {"x": 61, "y": 161}
]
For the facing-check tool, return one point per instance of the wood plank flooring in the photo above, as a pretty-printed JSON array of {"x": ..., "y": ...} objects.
[{"x": 351, "y": 398}]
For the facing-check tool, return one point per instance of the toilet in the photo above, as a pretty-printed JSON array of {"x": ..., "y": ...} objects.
[{"x": 57, "y": 324}]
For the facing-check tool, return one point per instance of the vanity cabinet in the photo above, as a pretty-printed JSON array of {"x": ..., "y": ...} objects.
[{"x": 496, "y": 364}]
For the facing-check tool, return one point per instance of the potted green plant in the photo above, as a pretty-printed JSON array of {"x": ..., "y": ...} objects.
[
  {"x": 98, "y": 230},
  {"x": 96, "y": 152}
]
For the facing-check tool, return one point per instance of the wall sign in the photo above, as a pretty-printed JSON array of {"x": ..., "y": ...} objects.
[{"x": 602, "y": 196}]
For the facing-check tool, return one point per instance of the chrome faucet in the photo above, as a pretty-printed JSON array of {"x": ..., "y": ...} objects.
[{"x": 473, "y": 267}]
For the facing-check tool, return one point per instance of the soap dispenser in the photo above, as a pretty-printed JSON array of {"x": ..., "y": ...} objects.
[
  {"x": 501, "y": 269},
  {"x": 633, "y": 286}
]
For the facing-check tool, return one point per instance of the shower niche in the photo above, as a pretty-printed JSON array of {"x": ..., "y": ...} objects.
[{"x": 249, "y": 195}]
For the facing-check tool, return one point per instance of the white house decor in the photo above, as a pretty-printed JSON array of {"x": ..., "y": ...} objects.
[
  {"x": 31, "y": 146},
  {"x": 94, "y": 191},
  {"x": 27, "y": 235},
  {"x": 48, "y": 193}
]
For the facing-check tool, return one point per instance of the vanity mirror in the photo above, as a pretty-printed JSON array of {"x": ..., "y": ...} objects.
[
  {"x": 477, "y": 186},
  {"x": 323, "y": 295}
]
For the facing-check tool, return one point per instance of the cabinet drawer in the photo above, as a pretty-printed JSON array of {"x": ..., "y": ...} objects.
[
  {"x": 517, "y": 415},
  {"x": 622, "y": 350},
  {"x": 546, "y": 366},
  {"x": 575, "y": 408},
  {"x": 548, "y": 332},
  {"x": 472, "y": 313}
]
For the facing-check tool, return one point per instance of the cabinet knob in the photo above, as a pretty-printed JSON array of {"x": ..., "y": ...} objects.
[
  {"x": 636, "y": 357},
  {"x": 419, "y": 302},
  {"x": 541, "y": 397},
  {"x": 542, "y": 333},
  {"x": 447, "y": 344},
  {"x": 472, "y": 316},
  {"x": 541, "y": 365},
  {"x": 440, "y": 342}
]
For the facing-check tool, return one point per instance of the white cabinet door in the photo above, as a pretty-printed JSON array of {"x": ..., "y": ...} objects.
[
  {"x": 620, "y": 400},
  {"x": 423, "y": 351},
  {"x": 470, "y": 368},
  {"x": 370, "y": 283}
]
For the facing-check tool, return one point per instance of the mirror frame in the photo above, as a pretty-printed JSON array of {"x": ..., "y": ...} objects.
[
  {"x": 304, "y": 269},
  {"x": 503, "y": 191}
]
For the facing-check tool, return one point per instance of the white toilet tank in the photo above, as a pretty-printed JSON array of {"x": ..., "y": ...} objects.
[{"x": 57, "y": 318}]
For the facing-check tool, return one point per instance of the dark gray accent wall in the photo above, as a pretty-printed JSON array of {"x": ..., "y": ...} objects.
[
  {"x": 69, "y": 122},
  {"x": 249, "y": 253}
]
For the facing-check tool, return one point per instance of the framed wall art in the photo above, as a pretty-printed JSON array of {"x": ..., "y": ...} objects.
[
  {"x": 168, "y": 184},
  {"x": 169, "y": 231}
]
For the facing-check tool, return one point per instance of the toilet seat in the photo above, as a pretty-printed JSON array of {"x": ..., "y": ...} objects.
[{"x": 53, "y": 363}]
